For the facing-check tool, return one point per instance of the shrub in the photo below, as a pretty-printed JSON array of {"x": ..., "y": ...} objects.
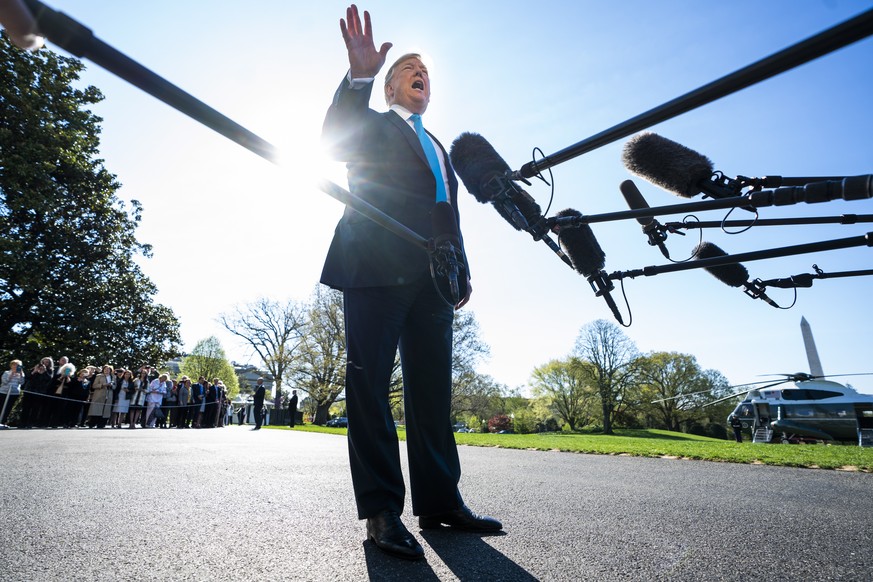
[
  {"x": 548, "y": 425},
  {"x": 716, "y": 431},
  {"x": 500, "y": 422},
  {"x": 697, "y": 428},
  {"x": 524, "y": 422}
]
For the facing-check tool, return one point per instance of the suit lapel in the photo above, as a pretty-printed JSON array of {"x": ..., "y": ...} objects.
[
  {"x": 412, "y": 139},
  {"x": 408, "y": 134}
]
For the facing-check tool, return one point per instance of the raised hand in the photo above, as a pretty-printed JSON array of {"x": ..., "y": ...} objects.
[{"x": 364, "y": 59}]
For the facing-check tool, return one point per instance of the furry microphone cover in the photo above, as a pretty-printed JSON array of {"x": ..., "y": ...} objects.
[{"x": 667, "y": 164}]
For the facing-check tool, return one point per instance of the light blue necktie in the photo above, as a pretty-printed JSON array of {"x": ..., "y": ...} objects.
[{"x": 432, "y": 158}]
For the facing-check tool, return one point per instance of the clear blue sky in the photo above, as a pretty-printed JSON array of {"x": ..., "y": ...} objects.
[{"x": 228, "y": 227}]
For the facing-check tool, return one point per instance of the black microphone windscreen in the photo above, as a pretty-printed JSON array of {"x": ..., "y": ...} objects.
[
  {"x": 635, "y": 200},
  {"x": 444, "y": 225},
  {"x": 734, "y": 275},
  {"x": 580, "y": 244},
  {"x": 476, "y": 163},
  {"x": 667, "y": 164}
]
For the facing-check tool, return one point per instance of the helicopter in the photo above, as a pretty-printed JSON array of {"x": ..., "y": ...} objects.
[
  {"x": 809, "y": 409},
  {"x": 802, "y": 407}
]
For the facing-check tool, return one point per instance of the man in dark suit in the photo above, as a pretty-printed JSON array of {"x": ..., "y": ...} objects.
[
  {"x": 258, "y": 403},
  {"x": 389, "y": 299},
  {"x": 292, "y": 409},
  {"x": 213, "y": 397},
  {"x": 198, "y": 393}
]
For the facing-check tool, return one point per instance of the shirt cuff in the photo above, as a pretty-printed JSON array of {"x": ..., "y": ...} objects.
[{"x": 360, "y": 82}]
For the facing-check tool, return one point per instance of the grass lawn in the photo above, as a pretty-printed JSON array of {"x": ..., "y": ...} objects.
[{"x": 662, "y": 443}]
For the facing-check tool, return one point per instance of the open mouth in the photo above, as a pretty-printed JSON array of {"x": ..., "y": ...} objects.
[{"x": 418, "y": 85}]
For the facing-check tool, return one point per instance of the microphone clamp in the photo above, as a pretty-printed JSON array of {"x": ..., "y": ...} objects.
[
  {"x": 756, "y": 290},
  {"x": 601, "y": 284},
  {"x": 444, "y": 263},
  {"x": 657, "y": 233}
]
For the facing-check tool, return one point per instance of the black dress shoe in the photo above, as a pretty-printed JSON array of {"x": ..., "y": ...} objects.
[
  {"x": 461, "y": 518},
  {"x": 391, "y": 536}
]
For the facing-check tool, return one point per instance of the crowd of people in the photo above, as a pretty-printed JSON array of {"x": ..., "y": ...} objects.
[{"x": 59, "y": 396}]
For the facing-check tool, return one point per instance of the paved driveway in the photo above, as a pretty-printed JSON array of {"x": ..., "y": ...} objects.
[{"x": 235, "y": 504}]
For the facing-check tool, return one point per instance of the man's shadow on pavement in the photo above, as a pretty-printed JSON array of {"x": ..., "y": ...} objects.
[
  {"x": 381, "y": 566},
  {"x": 466, "y": 554},
  {"x": 470, "y": 558}
]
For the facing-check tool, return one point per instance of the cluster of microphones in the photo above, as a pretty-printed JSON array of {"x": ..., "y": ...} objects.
[{"x": 683, "y": 172}]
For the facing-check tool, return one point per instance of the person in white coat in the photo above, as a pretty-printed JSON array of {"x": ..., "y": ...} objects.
[
  {"x": 10, "y": 389},
  {"x": 154, "y": 396}
]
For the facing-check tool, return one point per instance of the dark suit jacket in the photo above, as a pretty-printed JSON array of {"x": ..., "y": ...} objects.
[
  {"x": 260, "y": 392},
  {"x": 387, "y": 168}
]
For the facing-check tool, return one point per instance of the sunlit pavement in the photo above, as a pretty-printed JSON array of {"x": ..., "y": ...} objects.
[{"x": 236, "y": 504}]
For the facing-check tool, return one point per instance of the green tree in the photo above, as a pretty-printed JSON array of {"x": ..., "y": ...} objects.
[
  {"x": 209, "y": 360},
  {"x": 611, "y": 355},
  {"x": 479, "y": 395},
  {"x": 675, "y": 392},
  {"x": 564, "y": 384},
  {"x": 524, "y": 421},
  {"x": 68, "y": 280},
  {"x": 468, "y": 349},
  {"x": 673, "y": 383},
  {"x": 273, "y": 330},
  {"x": 319, "y": 367}
]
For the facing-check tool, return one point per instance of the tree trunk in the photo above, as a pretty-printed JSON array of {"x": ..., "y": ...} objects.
[
  {"x": 321, "y": 413},
  {"x": 607, "y": 419},
  {"x": 277, "y": 418}
]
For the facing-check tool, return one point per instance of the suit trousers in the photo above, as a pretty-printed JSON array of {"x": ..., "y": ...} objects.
[
  {"x": 378, "y": 320},
  {"x": 258, "y": 408}
]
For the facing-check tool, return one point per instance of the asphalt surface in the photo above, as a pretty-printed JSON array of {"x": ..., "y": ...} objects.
[{"x": 236, "y": 504}]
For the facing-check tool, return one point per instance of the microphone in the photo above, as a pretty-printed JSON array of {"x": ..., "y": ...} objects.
[
  {"x": 651, "y": 228},
  {"x": 445, "y": 245},
  {"x": 20, "y": 25},
  {"x": 733, "y": 275},
  {"x": 487, "y": 177},
  {"x": 676, "y": 168},
  {"x": 587, "y": 257}
]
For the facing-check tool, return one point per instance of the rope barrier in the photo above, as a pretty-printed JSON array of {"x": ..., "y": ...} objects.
[{"x": 112, "y": 402}]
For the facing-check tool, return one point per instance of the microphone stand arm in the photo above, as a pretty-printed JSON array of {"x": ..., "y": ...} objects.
[
  {"x": 842, "y": 219},
  {"x": 779, "y": 181},
  {"x": 836, "y": 37},
  {"x": 852, "y": 188},
  {"x": 836, "y": 244},
  {"x": 339, "y": 193},
  {"x": 806, "y": 279},
  {"x": 80, "y": 41}
]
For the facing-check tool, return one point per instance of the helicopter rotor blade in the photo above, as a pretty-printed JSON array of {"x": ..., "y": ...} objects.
[
  {"x": 805, "y": 377},
  {"x": 796, "y": 377},
  {"x": 841, "y": 375},
  {"x": 718, "y": 388},
  {"x": 735, "y": 394},
  {"x": 681, "y": 395}
]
